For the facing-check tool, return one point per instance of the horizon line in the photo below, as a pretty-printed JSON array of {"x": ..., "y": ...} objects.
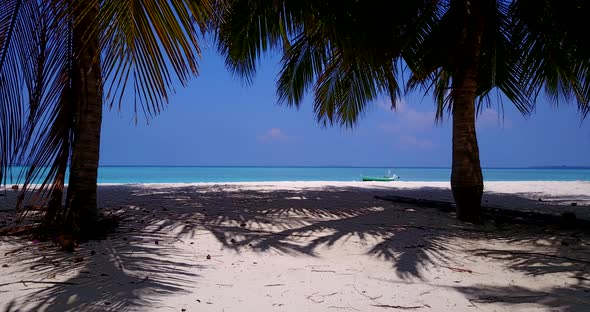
[{"x": 355, "y": 166}]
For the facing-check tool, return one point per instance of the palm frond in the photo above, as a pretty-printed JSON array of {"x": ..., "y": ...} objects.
[
  {"x": 249, "y": 28},
  {"x": 12, "y": 116},
  {"x": 302, "y": 62},
  {"x": 351, "y": 49},
  {"x": 345, "y": 87},
  {"x": 148, "y": 45},
  {"x": 554, "y": 52},
  {"x": 37, "y": 66}
]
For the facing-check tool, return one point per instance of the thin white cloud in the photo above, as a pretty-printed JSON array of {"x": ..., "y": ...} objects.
[
  {"x": 489, "y": 118},
  {"x": 273, "y": 135},
  {"x": 412, "y": 142},
  {"x": 407, "y": 125},
  {"x": 406, "y": 119},
  {"x": 391, "y": 128}
]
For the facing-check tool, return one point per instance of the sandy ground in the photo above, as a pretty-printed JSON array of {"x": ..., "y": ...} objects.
[{"x": 306, "y": 246}]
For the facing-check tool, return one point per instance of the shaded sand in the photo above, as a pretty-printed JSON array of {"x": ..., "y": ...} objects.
[{"x": 306, "y": 246}]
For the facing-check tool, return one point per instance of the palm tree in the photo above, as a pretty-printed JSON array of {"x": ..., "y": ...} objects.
[
  {"x": 349, "y": 52},
  {"x": 57, "y": 59}
]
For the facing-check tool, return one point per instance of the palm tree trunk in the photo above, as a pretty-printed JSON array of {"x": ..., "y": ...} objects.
[
  {"x": 466, "y": 176},
  {"x": 81, "y": 208}
]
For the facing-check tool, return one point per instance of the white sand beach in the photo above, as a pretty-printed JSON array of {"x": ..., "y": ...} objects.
[{"x": 306, "y": 246}]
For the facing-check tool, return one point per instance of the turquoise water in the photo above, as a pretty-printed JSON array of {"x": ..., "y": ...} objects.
[{"x": 121, "y": 174}]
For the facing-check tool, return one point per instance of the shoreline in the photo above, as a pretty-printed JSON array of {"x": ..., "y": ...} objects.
[{"x": 351, "y": 182}]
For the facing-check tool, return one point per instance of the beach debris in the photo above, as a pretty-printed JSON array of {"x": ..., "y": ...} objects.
[
  {"x": 14, "y": 187},
  {"x": 540, "y": 200},
  {"x": 47, "y": 282},
  {"x": 67, "y": 242},
  {"x": 157, "y": 242},
  {"x": 574, "y": 204},
  {"x": 388, "y": 306},
  {"x": 92, "y": 252},
  {"x": 183, "y": 310},
  {"x": 233, "y": 241},
  {"x": 363, "y": 293},
  {"x": 460, "y": 270},
  {"x": 494, "y": 252},
  {"x": 208, "y": 257},
  {"x": 313, "y": 297},
  {"x": 513, "y": 299},
  {"x": 225, "y": 285},
  {"x": 242, "y": 224},
  {"x": 5, "y": 265},
  {"x": 441, "y": 205}
]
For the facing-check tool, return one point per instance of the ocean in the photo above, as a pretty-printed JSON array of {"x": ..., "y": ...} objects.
[
  {"x": 155, "y": 174},
  {"x": 173, "y": 174}
]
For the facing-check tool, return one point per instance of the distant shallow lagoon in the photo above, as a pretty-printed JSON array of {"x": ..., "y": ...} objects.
[{"x": 154, "y": 174}]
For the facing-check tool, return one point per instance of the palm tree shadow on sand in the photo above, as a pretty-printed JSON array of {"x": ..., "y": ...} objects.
[
  {"x": 125, "y": 272},
  {"x": 302, "y": 223}
]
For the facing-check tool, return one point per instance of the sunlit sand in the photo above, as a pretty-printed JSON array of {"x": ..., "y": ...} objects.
[{"x": 307, "y": 246}]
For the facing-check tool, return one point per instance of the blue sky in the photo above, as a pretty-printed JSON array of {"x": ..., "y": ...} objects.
[{"x": 217, "y": 120}]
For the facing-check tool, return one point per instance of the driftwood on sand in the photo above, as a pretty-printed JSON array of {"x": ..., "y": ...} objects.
[{"x": 500, "y": 215}]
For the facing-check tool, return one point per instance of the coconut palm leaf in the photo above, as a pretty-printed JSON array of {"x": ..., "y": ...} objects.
[
  {"x": 13, "y": 13},
  {"x": 250, "y": 28},
  {"x": 554, "y": 51},
  {"x": 500, "y": 68},
  {"x": 148, "y": 45},
  {"x": 339, "y": 45},
  {"x": 44, "y": 84},
  {"x": 144, "y": 44}
]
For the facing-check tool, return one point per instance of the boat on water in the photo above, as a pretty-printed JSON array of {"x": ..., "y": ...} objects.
[{"x": 386, "y": 178}]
